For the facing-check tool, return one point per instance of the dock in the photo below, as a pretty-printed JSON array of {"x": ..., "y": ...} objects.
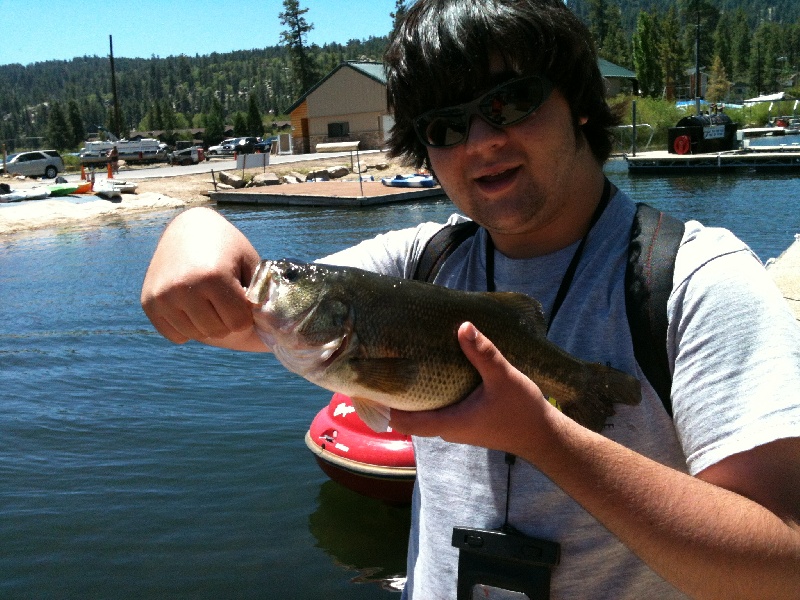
[
  {"x": 764, "y": 158},
  {"x": 785, "y": 272},
  {"x": 325, "y": 193}
]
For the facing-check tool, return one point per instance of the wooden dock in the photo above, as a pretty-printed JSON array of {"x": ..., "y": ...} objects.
[
  {"x": 325, "y": 193},
  {"x": 765, "y": 158}
]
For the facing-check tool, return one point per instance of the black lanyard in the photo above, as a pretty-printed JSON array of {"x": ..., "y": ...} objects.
[
  {"x": 569, "y": 274},
  {"x": 563, "y": 289}
]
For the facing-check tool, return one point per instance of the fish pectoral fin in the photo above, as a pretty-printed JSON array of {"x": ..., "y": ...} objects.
[
  {"x": 375, "y": 415},
  {"x": 385, "y": 375}
]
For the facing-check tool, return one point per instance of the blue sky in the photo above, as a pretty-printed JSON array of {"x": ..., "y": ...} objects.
[{"x": 35, "y": 31}]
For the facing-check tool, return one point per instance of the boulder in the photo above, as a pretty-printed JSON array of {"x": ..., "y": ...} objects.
[
  {"x": 292, "y": 179},
  {"x": 318, "y": 175},
  {"x": 338, "y": 171},
  {"x": 263, "y": 179},
  {"x": 231, "y": 179}
]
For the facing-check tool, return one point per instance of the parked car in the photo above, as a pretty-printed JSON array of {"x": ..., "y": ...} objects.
[
  {"x": 224, "y": 147},
  {"x": 246, "y": 145},
  {"x": 265, "y": 145},
  {"x": 36, "y": 163},
  {"x": 187, "y": 156}
]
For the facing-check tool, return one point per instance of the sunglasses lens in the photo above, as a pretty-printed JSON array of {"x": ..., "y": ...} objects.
[
  {"x": 512, "y": 102},
  {"x": 445, "y": 127}
]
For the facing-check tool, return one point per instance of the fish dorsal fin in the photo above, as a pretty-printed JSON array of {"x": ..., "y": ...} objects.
[
  {"x": 526, "y": 306},
  {"x": 375, "y": 415},
  {"x": 390, "y": 375}
]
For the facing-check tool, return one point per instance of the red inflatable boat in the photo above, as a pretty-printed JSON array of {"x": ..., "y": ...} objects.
[{"x": 378, "y": 465}]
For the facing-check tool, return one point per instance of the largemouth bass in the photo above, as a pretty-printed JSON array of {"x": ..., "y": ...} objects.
[{"x": 392, "y": 343}]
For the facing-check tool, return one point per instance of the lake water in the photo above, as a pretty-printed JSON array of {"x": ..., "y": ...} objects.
[{"x": 134, "y": 468}]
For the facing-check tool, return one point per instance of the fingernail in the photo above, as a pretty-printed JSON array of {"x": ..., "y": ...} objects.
[{"x": 471, "y": 331}]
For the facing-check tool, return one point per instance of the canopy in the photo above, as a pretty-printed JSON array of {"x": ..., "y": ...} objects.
[{"x": 768, "y": 98}]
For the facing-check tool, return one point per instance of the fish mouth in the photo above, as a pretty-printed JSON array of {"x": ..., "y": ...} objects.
[{"x": 261, "y": 284}]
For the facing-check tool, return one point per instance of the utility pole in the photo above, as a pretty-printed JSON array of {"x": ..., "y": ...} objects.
[
  {"x": 116, "y": 121},
  {"x": 697, "y": 87}
]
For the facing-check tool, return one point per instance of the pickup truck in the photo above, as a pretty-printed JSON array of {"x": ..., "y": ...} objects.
[{"x": 143, "y": 151}]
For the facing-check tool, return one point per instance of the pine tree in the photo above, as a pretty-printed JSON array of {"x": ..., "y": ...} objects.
[
  {"x": 646, "y": 56},
  {"x": 239, "y": 124},
  {"x": 75, "y": 124},
  {"x": 718, "y": 85},
  {"x": 255, "y": 126},
  {"x": 400, "y": 11},
  {"x": 215, "y": 123},
  {"x": 59, "y": 135},
  {"x": 294, "y": 40},
  {"x": 671, "y": 53}
]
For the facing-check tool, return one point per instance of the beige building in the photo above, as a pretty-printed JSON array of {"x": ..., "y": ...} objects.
[{"x": 349, "y": 104}]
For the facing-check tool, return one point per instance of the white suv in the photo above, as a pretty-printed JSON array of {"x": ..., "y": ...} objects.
[{"x": 36, "y": 163}]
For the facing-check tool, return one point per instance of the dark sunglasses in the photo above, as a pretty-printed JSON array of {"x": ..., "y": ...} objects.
[{"x": 504, "y": 105}]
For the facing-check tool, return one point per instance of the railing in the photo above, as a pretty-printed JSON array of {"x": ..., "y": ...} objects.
[{"x": 627, "y": 137}]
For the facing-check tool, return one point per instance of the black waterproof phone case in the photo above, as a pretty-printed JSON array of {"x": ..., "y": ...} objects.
[{"x": 503, "y": 559}]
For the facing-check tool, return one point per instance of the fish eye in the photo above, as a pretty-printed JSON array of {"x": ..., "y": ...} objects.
[{"x": 291, "y": 274}]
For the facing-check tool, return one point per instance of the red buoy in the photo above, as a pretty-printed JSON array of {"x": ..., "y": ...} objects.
[{"x": 378, "y": 465}]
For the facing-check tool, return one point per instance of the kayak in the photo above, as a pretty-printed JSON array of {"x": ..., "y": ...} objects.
[
  {"x": 28, "y": 194},
  {"x": 62, "y": 189},
  {"x": 416, "y": 180}
]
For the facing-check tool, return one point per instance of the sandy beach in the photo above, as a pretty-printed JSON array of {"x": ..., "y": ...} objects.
[{"x": 153, "y": 193}]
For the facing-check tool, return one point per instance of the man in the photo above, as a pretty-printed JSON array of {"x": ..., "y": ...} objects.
[{"x": 504, "y": 102}]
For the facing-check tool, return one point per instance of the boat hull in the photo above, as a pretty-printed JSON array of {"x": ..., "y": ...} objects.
[
  {"x": 377, "y": 465},
  {"x": 412, "y": 181}
]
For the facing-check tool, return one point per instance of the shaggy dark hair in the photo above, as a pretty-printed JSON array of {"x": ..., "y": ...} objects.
[{"x": 440, "y": 56}]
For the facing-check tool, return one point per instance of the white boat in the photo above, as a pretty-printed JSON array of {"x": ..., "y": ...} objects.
[
  {"x": 36, "y": 193},
  {"x": 113, "y": 189},
  {"x": 416, "y": 180}
]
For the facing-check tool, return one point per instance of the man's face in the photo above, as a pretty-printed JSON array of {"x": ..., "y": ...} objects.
[{"x": 519, "y": 181}]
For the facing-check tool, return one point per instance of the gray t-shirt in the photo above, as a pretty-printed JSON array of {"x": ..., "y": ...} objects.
[{"x": 735, "y": 350}]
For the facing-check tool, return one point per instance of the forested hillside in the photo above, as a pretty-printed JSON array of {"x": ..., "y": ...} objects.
[{"x": 752, "y": 43}]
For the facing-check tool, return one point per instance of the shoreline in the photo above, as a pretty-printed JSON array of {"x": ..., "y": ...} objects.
[
  {"x": 62, "y": 212},
  {"x": 184, "y": 191}
]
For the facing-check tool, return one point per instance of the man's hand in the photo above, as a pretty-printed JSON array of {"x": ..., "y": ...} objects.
[
  {"x": 194, "y": 287},
  {"x": 501, "y": 414}
]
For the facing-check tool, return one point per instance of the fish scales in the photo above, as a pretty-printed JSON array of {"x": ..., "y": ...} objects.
[{"x": 390, "y": 342}]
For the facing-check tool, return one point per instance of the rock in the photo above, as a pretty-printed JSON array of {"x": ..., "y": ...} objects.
[
  {"x": 265, "y": 179},
  {"x": 338, "y": 171},
  {"x": 292, "y": 179},
  {"x": 318, "y": 175},
  {"x": 296, "y": 175},
  {"x": 381, "y": 166},
  {"x": 231, "y": 179}
]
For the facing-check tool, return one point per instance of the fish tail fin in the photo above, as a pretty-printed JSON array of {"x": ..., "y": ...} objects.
[
  {"x": 607, "y": 386},
  {"x": 375, "y": 415}
]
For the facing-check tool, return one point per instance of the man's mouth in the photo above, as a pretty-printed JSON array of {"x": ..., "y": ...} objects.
[{"x": 497, "y": 177}]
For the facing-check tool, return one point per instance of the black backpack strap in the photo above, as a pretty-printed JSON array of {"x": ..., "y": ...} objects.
[
  {"x": 440, "y": 246},
  {"x": 655, "y": 238}
]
